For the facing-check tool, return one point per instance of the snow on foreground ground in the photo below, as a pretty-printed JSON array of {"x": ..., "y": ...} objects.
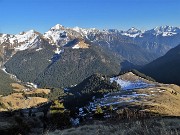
[{"x": 127, "y": 94}]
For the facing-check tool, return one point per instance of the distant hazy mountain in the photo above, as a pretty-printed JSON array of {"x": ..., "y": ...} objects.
[{"x": 166, "y": 68}]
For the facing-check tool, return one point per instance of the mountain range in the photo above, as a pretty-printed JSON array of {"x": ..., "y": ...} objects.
[
  {"x": 156, "y": 41},
  {"x": 62, "y": 56}
]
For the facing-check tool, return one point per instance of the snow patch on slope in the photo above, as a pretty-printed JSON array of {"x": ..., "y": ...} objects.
[
  {"x": 38, "y": 49},
  {"x": 76, "y": 46},
  {"x": 132, "y": 35},
  {"x": 168, "y": 34},
  {"x": 127, "y": 85},
  {"x": 27, "y": 40},
  {"x": 24, "y": 40},
  {"x": 58, "y": 51}
]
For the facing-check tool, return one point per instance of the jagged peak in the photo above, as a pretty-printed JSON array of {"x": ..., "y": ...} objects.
[
  {"x": 29, "y": 32},
  {"x": 133, "y": 30},
  {"x": 166, "y": 28},
  {"x": 57, "y": 27},
  {"x": 78, "y": 29}
]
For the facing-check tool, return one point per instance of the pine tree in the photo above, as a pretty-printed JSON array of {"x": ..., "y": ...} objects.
[{"x": 99, "y": 110}]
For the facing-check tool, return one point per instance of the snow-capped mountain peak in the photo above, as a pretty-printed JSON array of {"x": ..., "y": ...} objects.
[
  {"x": 78, "y": 29},
  {"x": 60, "y": 35},
  {"x": 57, "y": 27},
  {"x": 165, "y": 30},
  {"x": 21, "y": 41},
  {"x": 56, "y": 35},
  {"x": 26, "y": 40},
  {"x": 132, "y": 32},
  {"x": 85, "y": 32},
  {"x": 25, "y": 35},
  {"x": 82, "y": 31}
]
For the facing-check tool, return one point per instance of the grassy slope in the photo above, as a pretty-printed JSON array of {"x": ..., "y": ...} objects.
[
  {"x": 163, "y": 101},
  {"x": 153, "y": 126}
]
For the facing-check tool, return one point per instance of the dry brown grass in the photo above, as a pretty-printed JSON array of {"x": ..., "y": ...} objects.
[
  {"x": 82, "y": 44},
  {"x": 132, "y": 77},
  {"x": 18, "y": 101},
  {"x": 159, "y": 126},
  {"x": 162, "y": 100},
  {"x": 17, "y": 87},
  {"x": 46, "y": 91}
]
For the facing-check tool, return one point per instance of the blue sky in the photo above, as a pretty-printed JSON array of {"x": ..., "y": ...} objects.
[{"x": 23, "y": 15}]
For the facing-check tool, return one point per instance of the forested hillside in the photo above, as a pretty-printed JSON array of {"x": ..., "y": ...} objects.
[
  {"x": 5, "y": 83},
  {"x": 166, "y": 68},
  {"x": 75, "y": 65},
  {"x": 27, "y": 65},
  {"x": 49, "y": 69}
]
